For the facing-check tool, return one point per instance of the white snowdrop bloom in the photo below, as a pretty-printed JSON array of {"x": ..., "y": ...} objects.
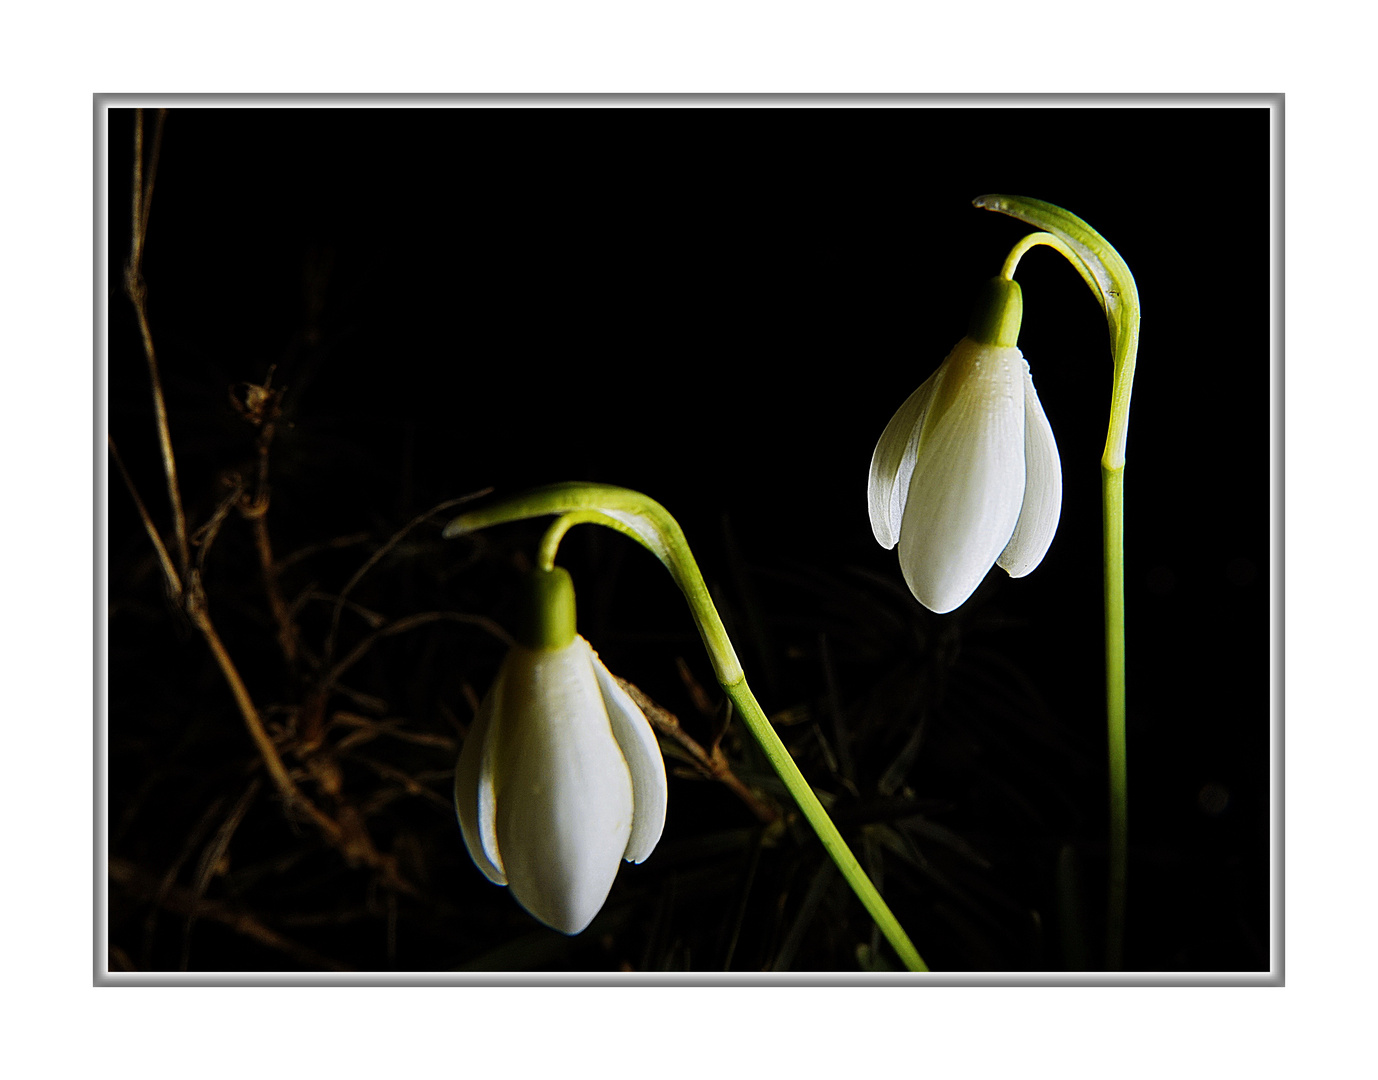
[
  {"x": 966, "y": 474},
  {"x": 560, "y": 777}
]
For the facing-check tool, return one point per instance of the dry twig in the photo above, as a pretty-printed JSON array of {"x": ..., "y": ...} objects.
[
  {"x": 373, "y": 560},
  {"x": 184, "y": 580}
]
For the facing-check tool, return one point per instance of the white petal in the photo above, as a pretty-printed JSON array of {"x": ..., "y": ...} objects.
[
  {"x": 893, "y": 463},
  {"x": 1042, "y": 490},
  {"x": 564, "y": 795},
  {"x": 968, "y": 481},
  {"x": 638, "y": 744},
  {"x": 474, "y": 790}
]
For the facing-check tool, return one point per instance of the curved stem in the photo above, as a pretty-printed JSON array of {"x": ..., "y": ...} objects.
[
  {"x": 650, "y": 524},
  {"x": 1044, "y": 239},
  {"x": 550, "y": 542},
  {"x": 632, "y": 514},
  {"x": 1108, "y": 277}
]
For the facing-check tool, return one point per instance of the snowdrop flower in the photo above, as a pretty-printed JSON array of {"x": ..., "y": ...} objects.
[
  {"x": 966, "y": 474},
  {"x": 560, "y": 778}
]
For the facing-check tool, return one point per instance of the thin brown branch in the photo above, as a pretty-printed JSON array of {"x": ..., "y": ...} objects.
[
  {"x": 372, "y": 619},
  {"x": 138, "y": 295},
  {"x": 373, "y": 560},
  {"x": 312, "y": 728},
  {"x": 212, "y": 859},
  {"x": 347, "y": 834},
  {"x": 367, "y": 729},
  {"x": 194, "y": 839},
  {"x": 174, "y": 493},
  {"x": 136, "y": 223},
  {"x": 282, "y": 616},
  {"x": 407, "y": 783},
  {"x": 214, "y": 852},
  {"x": 291, "y": 794},
  {"x": 697, "y": 693},
  {"x": 712, "y": 764},
  {"x": 326, "y": 545},
  {"x": 261, "y": 408},
  {"x": 409, "y": 622},
  {"x": 143, "y": 188},
  {"x": 204, "y": 537},
  {"x": 719, "y": 716},
  {"x": 174, "y": 582}
]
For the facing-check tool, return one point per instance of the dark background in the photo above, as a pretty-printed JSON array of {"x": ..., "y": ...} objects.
[{"x": 721, "y": 308}]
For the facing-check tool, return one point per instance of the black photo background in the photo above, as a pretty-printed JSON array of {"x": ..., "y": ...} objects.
[{"x": 721, "y": 308}]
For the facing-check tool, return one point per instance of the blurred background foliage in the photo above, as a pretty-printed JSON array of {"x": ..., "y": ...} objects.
[{"x": 362, "y": 316}]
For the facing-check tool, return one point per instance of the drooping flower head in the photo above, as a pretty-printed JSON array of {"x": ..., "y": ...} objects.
[
  {"x": 967, "y": 474},
  {"x": 560, "y": 778}
]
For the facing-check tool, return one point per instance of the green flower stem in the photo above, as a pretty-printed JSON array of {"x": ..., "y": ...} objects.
[
  {"x": 755, "y": 719},
  {"x": 1106, "y": 274},
  {"x": 650, "y": 524},
  {"x": 1112, "y": 535}
]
